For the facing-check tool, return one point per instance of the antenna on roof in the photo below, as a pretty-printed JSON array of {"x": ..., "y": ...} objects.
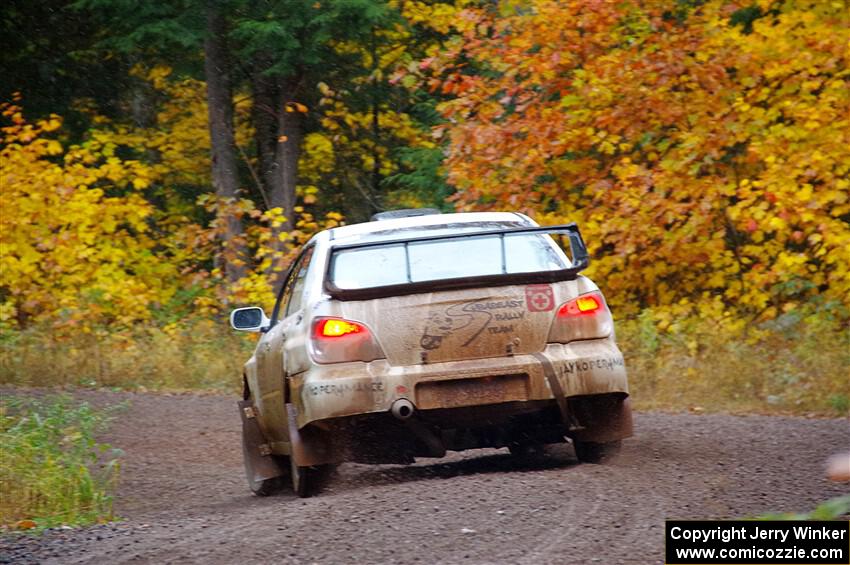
[{"x": 405, "y": 213}]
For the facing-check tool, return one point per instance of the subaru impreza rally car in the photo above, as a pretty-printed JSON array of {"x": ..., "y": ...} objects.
[{"x": 420, "y": 332}]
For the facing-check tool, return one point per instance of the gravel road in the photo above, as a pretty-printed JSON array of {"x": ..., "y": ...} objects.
[{"x": 184, "y": 500}]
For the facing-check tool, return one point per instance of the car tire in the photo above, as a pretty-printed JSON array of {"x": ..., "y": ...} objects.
[
  {"x": 301, "y": 479},
  {"x": 594, "y": 452}
]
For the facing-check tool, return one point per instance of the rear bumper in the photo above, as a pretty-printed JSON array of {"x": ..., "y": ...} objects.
[{"x": 582, "y": 368}]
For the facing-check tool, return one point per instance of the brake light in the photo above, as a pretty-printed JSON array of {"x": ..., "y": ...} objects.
[
  {"x": 336, "y": 340},
  {"x": 584, "y": 317},
  {"x": 334, "y": 327},
  {"x": 587, "y": 304}
]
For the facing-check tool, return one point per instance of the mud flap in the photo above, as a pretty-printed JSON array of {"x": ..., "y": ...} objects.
[
  {"x": 310, "y": 446},
  {"x": 570, "y": 422},
  {"x": 606, "y": 417},
  {"x": 259, "y": 463}
]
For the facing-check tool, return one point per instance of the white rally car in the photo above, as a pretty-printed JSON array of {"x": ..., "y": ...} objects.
[{"x": 418, "y": 333}]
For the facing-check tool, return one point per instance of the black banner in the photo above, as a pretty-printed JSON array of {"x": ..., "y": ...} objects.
[{"x": 745, "y": 542}]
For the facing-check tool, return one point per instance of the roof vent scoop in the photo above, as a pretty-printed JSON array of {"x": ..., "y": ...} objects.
[{"x": 405, "y": 213}]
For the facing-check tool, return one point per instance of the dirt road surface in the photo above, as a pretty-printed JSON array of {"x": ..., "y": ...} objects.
[{"x": 184, "y": 499}]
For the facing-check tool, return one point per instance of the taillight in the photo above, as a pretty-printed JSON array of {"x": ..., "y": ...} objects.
[
  {"x": 583, "y": 305},
  {"x": 335, "y": 340},
  {"x": 584, "y": 317},
  {"x": 334, "y": 327}
]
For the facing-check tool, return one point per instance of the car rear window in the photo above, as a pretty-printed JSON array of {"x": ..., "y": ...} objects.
[{"x": 399, "y": 263}]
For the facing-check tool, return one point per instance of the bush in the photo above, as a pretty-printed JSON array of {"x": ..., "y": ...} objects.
[
  {"x": 792, "y": 365},
  {"x": 834, "y": 508},
  {"x": 52, "y": 470}
]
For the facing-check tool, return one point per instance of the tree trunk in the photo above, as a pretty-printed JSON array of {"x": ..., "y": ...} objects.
[
  {"x": 281, "y": 175},
  {"x": 225, "y": 177},
  {"x": 142, "y": 105},
  {"x": 264, "y": 118},
  {"x": 376, "y": 128}
]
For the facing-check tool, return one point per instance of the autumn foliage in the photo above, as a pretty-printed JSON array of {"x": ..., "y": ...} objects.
[
  {"x": 75, "y": 231},
  {"x": 702, "y": 147},
  {"x": 99, "y": 251},
  {"x": 704, "y": 151}
]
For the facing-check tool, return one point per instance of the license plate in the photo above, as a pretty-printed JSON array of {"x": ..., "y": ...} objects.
[{"x": 471, "y": 392}]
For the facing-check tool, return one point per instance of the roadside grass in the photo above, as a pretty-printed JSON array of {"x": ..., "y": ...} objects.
[
  {"x": 791, "y": 366},
  {"x": 52, "y": 469},
  {"x": 832, "y": 509},
  {"x": 201, "y": 354}
]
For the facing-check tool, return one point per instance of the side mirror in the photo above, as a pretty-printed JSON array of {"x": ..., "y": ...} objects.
[{"x": 251, "y": 319}]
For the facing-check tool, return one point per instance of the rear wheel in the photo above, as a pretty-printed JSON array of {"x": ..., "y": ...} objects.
[{"x": 593, "y": 452}]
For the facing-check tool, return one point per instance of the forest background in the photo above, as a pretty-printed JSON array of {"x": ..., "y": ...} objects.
[{"x": 162, "y": 161}]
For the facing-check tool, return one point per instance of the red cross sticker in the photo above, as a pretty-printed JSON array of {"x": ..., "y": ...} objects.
[{"x": 539, "y": 298}]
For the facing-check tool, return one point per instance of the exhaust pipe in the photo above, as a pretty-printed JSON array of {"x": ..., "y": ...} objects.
[{"x": 402, "y": 409}]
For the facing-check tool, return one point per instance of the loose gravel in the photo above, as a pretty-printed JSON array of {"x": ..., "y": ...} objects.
[{"x": 183, "y": 497}]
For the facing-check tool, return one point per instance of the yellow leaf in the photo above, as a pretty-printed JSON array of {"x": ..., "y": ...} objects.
[{"x": 54, "y": 147}]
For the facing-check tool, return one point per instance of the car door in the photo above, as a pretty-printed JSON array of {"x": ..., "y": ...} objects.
[
  {"x": 294, "y": 322},
  {"x": 272, "y": 347}
]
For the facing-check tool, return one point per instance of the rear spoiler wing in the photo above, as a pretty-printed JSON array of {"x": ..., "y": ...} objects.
[{"x": 580, "y": 261}]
